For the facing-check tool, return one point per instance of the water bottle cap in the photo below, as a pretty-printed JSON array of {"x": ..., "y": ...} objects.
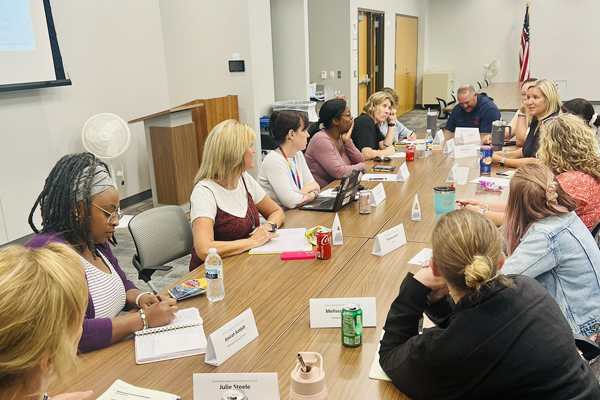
[{"x": 212, "y": 250}]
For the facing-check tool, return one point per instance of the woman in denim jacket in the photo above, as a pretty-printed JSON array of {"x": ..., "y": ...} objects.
[{"x": 547, "y": 241}]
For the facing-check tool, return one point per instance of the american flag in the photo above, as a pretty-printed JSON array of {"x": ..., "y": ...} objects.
[{"x": 524, "y": 51}]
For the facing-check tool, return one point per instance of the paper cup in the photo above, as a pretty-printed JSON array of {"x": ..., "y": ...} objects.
[{"x": 462, "y": 175}]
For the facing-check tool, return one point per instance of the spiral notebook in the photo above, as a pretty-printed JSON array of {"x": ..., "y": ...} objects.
[{"x": 182, "y": 337}]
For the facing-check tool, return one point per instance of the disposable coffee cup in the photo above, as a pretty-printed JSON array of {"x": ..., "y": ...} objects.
[{"x": 462, "y": 175}]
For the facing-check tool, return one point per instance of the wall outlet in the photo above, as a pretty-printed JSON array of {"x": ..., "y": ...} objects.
[
  {"x": 332, "y": 74},
  {"x": 323, "y": 74},
  {"x": 339, "y": 74}
]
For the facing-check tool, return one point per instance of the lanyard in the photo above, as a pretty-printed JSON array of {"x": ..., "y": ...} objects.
[{"x": 295, "y": 177}]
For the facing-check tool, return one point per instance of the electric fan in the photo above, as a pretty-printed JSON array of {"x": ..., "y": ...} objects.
[{"x": 490, "y": 70}]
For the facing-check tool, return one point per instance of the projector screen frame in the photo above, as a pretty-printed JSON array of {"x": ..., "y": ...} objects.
[{"x": 61, "y": 78}]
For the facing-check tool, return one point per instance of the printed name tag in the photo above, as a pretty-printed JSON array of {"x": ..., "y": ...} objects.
[
  {"x": 231, "y": 338},
  {"x": 327, "y": 313}
]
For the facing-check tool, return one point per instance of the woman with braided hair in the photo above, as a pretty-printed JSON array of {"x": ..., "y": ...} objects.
[
  {"x": 80, "y": 207},
  {"x": 497, "y": 336}
]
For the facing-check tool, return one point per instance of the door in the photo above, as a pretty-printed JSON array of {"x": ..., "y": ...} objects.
[
  {"x": 370, "y": 55},
  {"x": 406, "y": 62}
]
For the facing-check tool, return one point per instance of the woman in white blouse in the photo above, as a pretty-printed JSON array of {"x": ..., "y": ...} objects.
[{"x": 284, "y": 174}]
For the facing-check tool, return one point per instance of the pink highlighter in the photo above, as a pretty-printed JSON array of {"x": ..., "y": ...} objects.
[{"x": 297, "y": 255}]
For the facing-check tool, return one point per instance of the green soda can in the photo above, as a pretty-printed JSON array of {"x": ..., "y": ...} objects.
[{"x": 351, "y": 325}]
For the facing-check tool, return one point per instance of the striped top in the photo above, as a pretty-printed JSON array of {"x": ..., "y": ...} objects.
[{"x": 107, "y": 290}]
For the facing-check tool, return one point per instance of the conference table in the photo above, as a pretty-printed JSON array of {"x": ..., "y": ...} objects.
[
  {"x": 278, "y": 293},
  {"x": 506, "y": 95}
]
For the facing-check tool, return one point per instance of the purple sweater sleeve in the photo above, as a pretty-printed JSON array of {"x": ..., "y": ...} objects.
[
  {"x": 331, "y": 160},
  {"x": 97, "y": 332}
]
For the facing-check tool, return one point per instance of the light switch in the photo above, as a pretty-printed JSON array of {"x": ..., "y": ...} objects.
[
  {"x": 332, "y": 74},
  {"x": 323, "y": 74},
  {"x": 339, "y": 74}
]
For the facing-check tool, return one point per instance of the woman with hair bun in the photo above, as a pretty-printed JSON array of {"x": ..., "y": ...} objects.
[
  {"x": 284, "y": 174},
  {"x": 584, "y": 110},
  {"x": 547, "y": 241},
  {"x": 492, "y": 339},
  {"x": 331, "y": 153}
]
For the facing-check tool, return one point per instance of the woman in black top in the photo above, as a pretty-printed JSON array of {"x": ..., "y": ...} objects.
[
  {"x": 543, "y": 102},
  {"x": 497, "y": 337},
  {"x": 366, "y": 134}
]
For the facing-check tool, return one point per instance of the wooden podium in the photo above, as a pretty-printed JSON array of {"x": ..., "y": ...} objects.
[{"x": 175, "y": 141}]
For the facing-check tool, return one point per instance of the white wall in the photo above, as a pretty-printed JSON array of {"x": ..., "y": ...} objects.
[
  {"x": 113, "y": 52},
  {"x": 465, "y": 34},
  {"x": 289, "y": 25}
]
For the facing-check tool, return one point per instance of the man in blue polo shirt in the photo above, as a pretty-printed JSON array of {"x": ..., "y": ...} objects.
[{"x": 476, "y": 110}]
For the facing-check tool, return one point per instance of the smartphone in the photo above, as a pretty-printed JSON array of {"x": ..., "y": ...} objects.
[
  {"x": 387, "y": 168},
  {"x": 502, "y": 173}
]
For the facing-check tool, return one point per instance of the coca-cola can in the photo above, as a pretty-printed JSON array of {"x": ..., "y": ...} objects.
[
  {"x": 364, "y": 202},
  {"x": 323, "y": 244},
  {"x": 410, "y": 152}
]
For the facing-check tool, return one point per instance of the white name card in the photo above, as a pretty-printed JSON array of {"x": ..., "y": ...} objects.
[
  {"x": 231, "y": 338},
  {"x": 389, "y": 240},
  {"x": 439, "y": 136},
  {"x": 452, "y": 175},
  {"x": 336, "y": 231},
  {"x": 327, "y": 313},
  {"x": 449, "y": 146},
  {"x": 416, "y": 209},
  {"x": 264, "y": 386},
  {"x": 377, "y": 195},
  {"x": 403, "y": 173},
  {"x": 467, "y": 135},
  {"x": 468, "y": 150}
]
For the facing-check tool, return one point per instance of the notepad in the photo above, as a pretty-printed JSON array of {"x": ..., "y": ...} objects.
[
  {"x": 182, "y": 337},
  {"x": 291, "y": 239},
  {"x": 122, "y": 391}
]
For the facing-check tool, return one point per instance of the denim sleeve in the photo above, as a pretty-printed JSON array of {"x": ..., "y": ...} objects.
[
  {"x": 402, "y": 131},
  {"x": 534, "y": 256}
]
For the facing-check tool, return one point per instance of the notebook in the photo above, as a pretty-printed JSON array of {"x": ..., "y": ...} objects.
[
  {"x": 123, "y": 390},
  {"x": 345, "y": 194},
  {"x": 182, "y": 337}
]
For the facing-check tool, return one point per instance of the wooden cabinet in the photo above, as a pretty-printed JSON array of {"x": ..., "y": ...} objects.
[{"x": 439, "y": 84}]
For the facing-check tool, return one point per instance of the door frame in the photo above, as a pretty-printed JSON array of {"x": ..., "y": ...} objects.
[
  {"x": 375, "y": 54},
  {"x": 396, "y": 51}
]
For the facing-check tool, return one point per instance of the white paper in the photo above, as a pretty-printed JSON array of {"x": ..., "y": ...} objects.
[
  {"x": 422, "y": 257},
  {"x": 418, "y": 141},
  {"x": 398, "y": 154},
  {"x": 336, "y": 231},
  {"x": 185, "y": 341},
  {"x": 452, "y": 175},
  {"x": 498, "y": 181},
  {"x": 376, "y": 371},
  {"x": 120, "y": 390},
  {"x": 327, "y": 313},
  {"x": 389, "y": 240},
  {"x": 416, "y": 209},
  {"x": 403, "y": 173},
  {"x": 449, "y": 146},
  {"x": 263, "y": 385},
  {"x": 231, "y": 338},
  {"x": 377, "y": 195},
  {"x": 465, "y": 151},
  {"x": 379, "y": 177},
  {"x": 467, "y": 135},
  {"x": 328, "y": 193},
  {"x": 291, "y": 239}
]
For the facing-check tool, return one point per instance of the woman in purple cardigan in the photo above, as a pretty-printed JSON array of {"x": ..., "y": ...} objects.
[
  {"x": 331, "y": 153},
  {"x": 80, "y": 207}
]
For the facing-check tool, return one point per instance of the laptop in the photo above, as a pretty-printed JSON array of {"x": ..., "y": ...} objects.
[{"x": 346, "y": 193}]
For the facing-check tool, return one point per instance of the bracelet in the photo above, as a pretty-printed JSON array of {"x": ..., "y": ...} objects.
[
  {"x": 137, "y": 299},
  {"x": 482, "y": 210},
  {"x": 521, "y": 115},
  {"x": 144, "y": 319}
]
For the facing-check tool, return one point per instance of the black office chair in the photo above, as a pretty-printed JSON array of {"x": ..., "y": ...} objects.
[
  {"x": 596, "y": 233},
  {"x": 441, "y": 113},
  {"x": 160, "y": 235},
  {"x": 453, "y": 94}
]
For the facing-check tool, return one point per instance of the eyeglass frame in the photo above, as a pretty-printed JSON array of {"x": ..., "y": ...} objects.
[{"x": 111, "y": 215}]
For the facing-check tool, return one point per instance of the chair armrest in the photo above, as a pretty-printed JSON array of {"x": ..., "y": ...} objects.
[{"x": 157, "y": 268}]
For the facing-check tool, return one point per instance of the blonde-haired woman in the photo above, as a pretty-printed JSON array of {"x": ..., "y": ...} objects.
[
  {"x": 226, "y": 200},
  {"x": 366, "y": 134},
  {"x": 543, "y": 102},
  {"x": 569, "y": 147},
  {"x": 547, "y": 241},
  {"x": 492, "y": 338},
  {"x": 42, "y": 304}
]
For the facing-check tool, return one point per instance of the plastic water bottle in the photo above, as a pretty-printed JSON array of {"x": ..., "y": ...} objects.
[
  {"x": 213, "y": 270},
  {"x": 429, "y": 143}
]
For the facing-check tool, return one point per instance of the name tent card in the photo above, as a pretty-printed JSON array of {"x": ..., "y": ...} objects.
[
  {"x": 439, "y": 136},
  {"x": 466, "y": 151},
  {"x": 231, "y": 338},
  {"x": 468, "y": 135},
  {"x": 377, "y": 195},
  {"x": 452, "y": 175},
  {"x": 416, "y": 209},
  {"x": 403, "y": 173},
  {"x": 327, "y": 313},
  {"x": 263, "y": 385},
  {"x": 336, "y": 231},
  {"x": 449, "y": 146},
  {"x": 389, "y": 240}
]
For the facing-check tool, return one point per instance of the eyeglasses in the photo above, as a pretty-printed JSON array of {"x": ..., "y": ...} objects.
[{"x": 112, "y": 216}]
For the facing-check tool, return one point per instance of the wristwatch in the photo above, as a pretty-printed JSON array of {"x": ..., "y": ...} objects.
[
  {"x": 144, "y": 319},
  {"x": 391, "y": 124},
  {"x": 273, "y": 226},
  {"x": 502, "y": 161}
]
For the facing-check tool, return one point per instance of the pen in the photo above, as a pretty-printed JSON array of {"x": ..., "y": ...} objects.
[
  {"x": 377, "y": 179},
  {"x": 304, "y": 369},
  {"x": 153, "y": 288}
]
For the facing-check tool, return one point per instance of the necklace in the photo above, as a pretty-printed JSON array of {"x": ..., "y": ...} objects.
[
  {"x": 248, "y": 216},
  {"x": 296, "y": 177}
]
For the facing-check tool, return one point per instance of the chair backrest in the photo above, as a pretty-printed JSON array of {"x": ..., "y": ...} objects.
[
  {"x": 596, "y": 233},
  {"x": 161, "y": 235}
]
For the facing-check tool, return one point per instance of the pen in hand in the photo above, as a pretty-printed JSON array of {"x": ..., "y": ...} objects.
[{"x": 153, "y": 288}]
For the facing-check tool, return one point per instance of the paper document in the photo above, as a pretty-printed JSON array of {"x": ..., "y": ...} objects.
[
  {"x": 124, "y": 391},
  {"x": 328, "y": 193},
  {"x": 422, "y": 257},
  {"x": 293, "y": 239},
  {"x": 398, "y": 154},
  {"x": 498, "y": 181}
]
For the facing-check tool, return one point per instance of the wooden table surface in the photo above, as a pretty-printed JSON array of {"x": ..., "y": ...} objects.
[
  {"x": 279, "y": 291},
  {"x": 506, "y": 95}
]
